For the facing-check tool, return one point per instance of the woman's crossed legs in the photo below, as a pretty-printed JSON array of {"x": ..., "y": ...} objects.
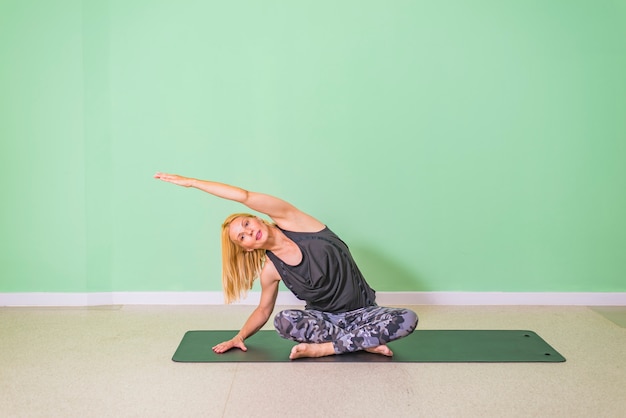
[{"x": 322, "y": 333}]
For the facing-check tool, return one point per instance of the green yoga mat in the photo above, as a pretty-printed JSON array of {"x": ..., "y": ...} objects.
[{"x": 449, "y": 346}]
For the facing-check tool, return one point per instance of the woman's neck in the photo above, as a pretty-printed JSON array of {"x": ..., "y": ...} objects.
[
  {"x": 283, "y": 247},
  {"x": 277, "y": 241}
]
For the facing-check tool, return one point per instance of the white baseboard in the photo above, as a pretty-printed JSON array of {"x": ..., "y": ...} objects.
[{"x": 286, "y": 298}]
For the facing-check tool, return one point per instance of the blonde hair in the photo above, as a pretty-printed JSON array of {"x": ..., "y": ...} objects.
[{"x": 239, "y": 267}]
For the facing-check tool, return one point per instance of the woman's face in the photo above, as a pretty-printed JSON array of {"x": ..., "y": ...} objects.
[{"x": 248, "y": 232}]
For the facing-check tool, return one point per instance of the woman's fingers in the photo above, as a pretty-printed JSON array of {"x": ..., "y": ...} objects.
[
  {"x": 174, "y": 179},
  {"x": 165, "y": 176},
  {"x": 227, "y": 345},
  {"x": 222, "y": 347}
]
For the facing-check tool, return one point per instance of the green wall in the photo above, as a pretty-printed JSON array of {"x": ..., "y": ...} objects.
[{"x": 456, "y": 146}]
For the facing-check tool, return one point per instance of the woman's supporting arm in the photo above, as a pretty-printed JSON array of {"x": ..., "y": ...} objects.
[{"x": 260, "y": 316}]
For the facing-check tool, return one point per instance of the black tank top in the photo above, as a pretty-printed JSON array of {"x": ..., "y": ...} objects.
[{"x": 327, "y": 278}]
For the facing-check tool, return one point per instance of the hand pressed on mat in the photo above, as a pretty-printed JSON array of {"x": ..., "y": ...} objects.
[{"x": 235, "y": 342}]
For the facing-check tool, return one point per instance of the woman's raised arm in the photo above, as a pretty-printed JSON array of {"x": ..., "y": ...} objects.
[{"x": 282, "y": 212}]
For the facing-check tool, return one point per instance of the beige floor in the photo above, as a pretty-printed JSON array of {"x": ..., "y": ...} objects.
[{"x": 116, "y": 361}]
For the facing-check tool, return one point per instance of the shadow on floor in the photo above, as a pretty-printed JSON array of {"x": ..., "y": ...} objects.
[{"x": 615, "y": 314}]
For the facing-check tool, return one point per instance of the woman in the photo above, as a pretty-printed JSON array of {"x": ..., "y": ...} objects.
[{"x": 341, "y": 314}]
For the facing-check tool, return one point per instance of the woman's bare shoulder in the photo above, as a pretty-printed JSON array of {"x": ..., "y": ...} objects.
[{"x": 269, "y": 274}]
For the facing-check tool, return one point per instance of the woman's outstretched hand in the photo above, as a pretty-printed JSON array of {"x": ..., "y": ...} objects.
[
  {"x": 175, "y": 179},
  {"x": 227, "y": 345}
]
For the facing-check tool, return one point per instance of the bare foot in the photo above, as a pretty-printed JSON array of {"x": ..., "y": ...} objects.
[
  {"x": 311, "y": 350},
  {"x": 381, "y": 349}
]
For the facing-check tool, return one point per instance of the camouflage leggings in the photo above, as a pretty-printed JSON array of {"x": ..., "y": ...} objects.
[{"x": 348, "y": 331}]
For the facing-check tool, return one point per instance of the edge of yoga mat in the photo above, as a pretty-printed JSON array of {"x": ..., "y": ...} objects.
[{"x": 422, "y": 346}]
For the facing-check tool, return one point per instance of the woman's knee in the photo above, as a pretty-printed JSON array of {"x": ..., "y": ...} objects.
[
  {"x": 406, "y": 322},
  {"x": 285, "y": 321},
  {"x": 410, "y": 318}
]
